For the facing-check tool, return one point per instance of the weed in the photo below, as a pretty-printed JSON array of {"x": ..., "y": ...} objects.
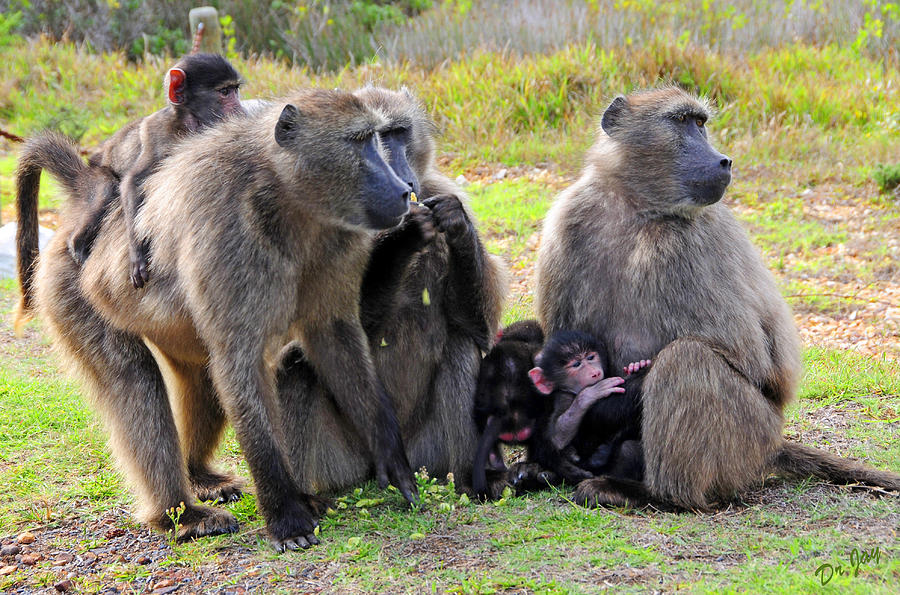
[{"x": 887, "y": 177}]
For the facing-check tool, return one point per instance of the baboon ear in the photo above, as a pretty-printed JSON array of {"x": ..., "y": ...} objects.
[
  {"x": 176, "y": 85},
  {"x": 613, "y": 114},
  {"x": 541, "y": 382},
  {"x": 287, "y": 126}
]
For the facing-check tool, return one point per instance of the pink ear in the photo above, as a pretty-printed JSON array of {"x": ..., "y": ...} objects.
[
  {"x": 177, "y": 79},
  {"x": 541, "y": 382}
]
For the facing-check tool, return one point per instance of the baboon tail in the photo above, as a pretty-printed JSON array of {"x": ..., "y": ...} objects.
[
  {"x": 59, "y": 156},
  {"x": 798, "y": 460}
]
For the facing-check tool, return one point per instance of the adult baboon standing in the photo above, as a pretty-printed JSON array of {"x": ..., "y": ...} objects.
[
  {"x": 429, "y": 314},
  {"x": 640, "y": 253},
  {"x": 286, "y": 196}
]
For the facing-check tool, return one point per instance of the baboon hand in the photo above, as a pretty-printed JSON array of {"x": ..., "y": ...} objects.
[
  {"x": 419, "y": 220},
  {"x": 635, "y": 366},
  {"x": 602, "y": 389},
  {"x": 449, "y": 216},
  {"x": 139, "y": 272},
  {"x": 396, "y": 472}
]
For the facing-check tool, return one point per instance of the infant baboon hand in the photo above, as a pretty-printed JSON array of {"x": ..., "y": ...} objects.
[
  {"x": 449, "y": 215},
  {"x": 635, "y": 366},
  {"x": 602, "y": 389}
]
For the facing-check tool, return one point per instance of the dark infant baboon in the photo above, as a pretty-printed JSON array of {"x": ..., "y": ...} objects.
[
  {"x": 287, "y": 195},
  {"x": 201, "y": 90},
  {"x": 507, "y": 409},
  {"x": 676, "y": 280},
  {"x": 596, "y": 420},
  {"x": 429, "y": 311}
]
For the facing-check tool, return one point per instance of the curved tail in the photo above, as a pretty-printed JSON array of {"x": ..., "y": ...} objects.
[
  {"x": 798, "y": 460},
  {"x": 58, "y": 155}
]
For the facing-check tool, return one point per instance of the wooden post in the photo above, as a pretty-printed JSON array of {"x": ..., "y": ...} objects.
[{"x": 211, "y": 36}]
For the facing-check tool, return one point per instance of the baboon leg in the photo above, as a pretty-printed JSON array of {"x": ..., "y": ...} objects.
[
  {"x": 322, "y": 455},
  {"x": 127, "y": 386},
  {"x": 201, "y": 422},
  {"x": 611, "y": 491},
  {"x": 708, "y": 433},
  {"x": 238, "y": 370},
  {"x": 446, "y": 442}
]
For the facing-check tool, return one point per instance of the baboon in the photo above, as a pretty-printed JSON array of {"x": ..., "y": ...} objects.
[
  {"x": 596, "y": 419},
  {"x": 428, "y": 323},
  {"x": 675, "y": 279},
  {"x": 507, "y": 409},
  {"x": 287, "y": 195},
  {"x": 201, "y": 90}
]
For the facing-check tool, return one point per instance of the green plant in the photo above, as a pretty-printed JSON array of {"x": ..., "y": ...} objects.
[{"x": 887, "y": 176}]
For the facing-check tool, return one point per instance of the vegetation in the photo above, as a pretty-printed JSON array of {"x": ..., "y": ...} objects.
[{"x": 808, "y": 106}]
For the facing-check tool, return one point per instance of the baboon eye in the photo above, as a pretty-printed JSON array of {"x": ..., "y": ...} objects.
[
  {"x": 681, "y": 118},
  {"x": 700, "y": 122},
  {"x": 576, "y": 363}
]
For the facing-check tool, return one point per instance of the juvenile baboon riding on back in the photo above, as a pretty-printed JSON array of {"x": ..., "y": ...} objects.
[
  {"x": 259, "y": 231},
  {"x": 640, "y": 253}
]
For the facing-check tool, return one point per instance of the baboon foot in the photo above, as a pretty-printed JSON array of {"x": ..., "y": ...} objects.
[
  {"x": 529, "y": 477},
  {"x": 200, "y": 521},
  {"x": 218, "y": 488},
  {"x": 295, "y": 527},
  {"x": 606, "y": 491}
]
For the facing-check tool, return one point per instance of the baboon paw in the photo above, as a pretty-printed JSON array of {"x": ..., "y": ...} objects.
[
  {"x": 449, "y": 215},
  {"x": 217, "y": 488},
  {"x": 397, "y": 473},
  {"x": 203, "y": 520},
  {"x": 420, "y": 218},
  {"x": 295, "y": 529},
  {"x": 596, "y": 492}
]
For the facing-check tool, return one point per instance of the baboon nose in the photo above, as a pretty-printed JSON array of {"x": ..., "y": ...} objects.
[{"x": 725, "y": 162}]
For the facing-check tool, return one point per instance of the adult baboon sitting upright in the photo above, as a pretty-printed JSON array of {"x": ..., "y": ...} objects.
[
  {"x": 640, "y": 253},
  {"x": 429, "y": 312}
]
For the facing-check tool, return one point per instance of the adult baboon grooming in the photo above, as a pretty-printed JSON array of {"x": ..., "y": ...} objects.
[
  {"x": 285, "y": 195},
  {"x": 427, "y": 323},
  {"x": 640, "y": 253}
]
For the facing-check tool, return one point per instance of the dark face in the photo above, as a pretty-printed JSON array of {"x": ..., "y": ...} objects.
[
  {"x": 703, "y": 172},
  {"x": 505, "y": 392},
  {"x": 386, "y": 195},
  {"x": 395, "y": 142}
]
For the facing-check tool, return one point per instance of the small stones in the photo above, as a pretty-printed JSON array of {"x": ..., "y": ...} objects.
[
  {"x": 25, "y": 538},
  {"x": 142, "y": 560},
  {"x": 63, "y": 559},
  {"x": 31, "y": 559},
  {"x": 63, "y": 586},
  {"x": 10, "y": 550},
  {"x": 7, "y": 570}
]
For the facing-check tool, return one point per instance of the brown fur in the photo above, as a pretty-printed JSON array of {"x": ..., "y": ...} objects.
[
  {"x": 208, "y": 95},
  {"x": 427, "y": 355},
  {"x": 629, "y": 256},
  {"x": 288, "y": 217}
]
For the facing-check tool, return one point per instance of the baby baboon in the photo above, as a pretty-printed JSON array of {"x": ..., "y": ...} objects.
[
  {"x": 202, "y": 90},
  {"x": 286, "y": 194},
  {"x": 428, "y": 322},
  {"x": 596, "y": 418},
  {"x": 676, "y": 280},
  {"x": 507, "y": 407}
]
